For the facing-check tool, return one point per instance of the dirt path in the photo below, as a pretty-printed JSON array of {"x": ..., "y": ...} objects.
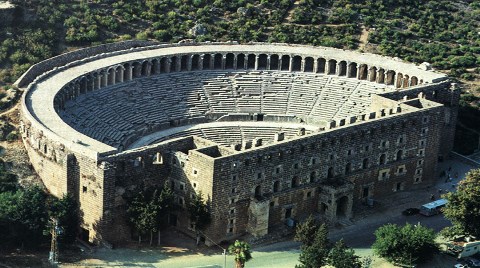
[
  {"x": 10, "y": 110},
  {"x": 363, "y": 38}
]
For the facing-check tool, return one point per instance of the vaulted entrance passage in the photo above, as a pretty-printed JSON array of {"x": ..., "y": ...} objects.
[
  {"x": 336, "y": 200},
  {"x": 342, "y": 207}
]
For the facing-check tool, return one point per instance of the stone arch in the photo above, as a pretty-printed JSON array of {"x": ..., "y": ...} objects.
[
  {"x": 399, "y": 81},
  {"x": 137, "y": 69},
  {"x": 352, "y": 70},
  {"x": 363, "y": 72},
  {"x": 119, "y": 74},
  {"x": 111, "y": 77},
  {"x": 195, "y": 62},
  {"x": 276, "y": 186},
  {"x": 163, "y": 64},
  {"x": 308, "y": 67},
  {"x": 274, "y": 62},
  {"x": 96, "y": 79},
  {"x": 217, "y": 61},
  {"x": 296, "y": 63},
  {"x": 390, "y": 77},
  {"x": 381, "y": 76},
  {"x": 321, "y": 62},
  {"x": 251, "y": 61},
  {"x": 413, "y": 81},
  {"x": 145, "y": 68},
  {"x": 372, "y": 74},
  {"x": 229, "y": 61},
  {"x": 342, "y": 68},
  {"x": 332, "y": 67},
  {"x": 342, "y": 206},
  {"x": 383, "y": 159},
  {"x": 241, "y": 61},
  {"x": 206, "y": 61},
  {"x": 184, "y": 63},
  {"x": 103, "y": 78},
  {"x": 262, "y": 62},
  {"x": 406, "y": 81},
  {"x": 285, "y": 66},
  {"x": 155, "y": 66},
  {"x": 173, "y": 64},
  {"x": 83, "y": 85}
]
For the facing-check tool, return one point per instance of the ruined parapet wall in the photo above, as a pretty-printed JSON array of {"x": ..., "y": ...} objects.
[{"x": 84, "y": 54}]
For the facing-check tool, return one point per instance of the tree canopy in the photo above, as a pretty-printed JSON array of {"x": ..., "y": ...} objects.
[
  {"x": 463, "y": 207},
  {"x": 406, "y": 245},
  {"x": 317, "y": 251},
  {"x": 199, "y": 212},
  {"x": 241, "y": 252},
  {"x": 149, "y": 211}
]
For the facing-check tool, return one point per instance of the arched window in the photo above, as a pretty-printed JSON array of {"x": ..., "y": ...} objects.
[
  {"x": 348, "y": 168},
  {"x": 365, "y": 163},
  {"x": 330, "y": 173},
  {"x": 295, "y": 182},
  {"x": 399, "y": 154},
  {"x": 383, "y": 159},
  {"x": 258, "y": 191},
  {"x": 276, "y": 186}
]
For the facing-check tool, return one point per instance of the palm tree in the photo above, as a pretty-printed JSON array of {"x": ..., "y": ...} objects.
[{"x": 241, "y": 251}]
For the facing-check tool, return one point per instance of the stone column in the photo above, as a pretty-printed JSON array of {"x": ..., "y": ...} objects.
[
  {"x": 315, "y": 66},
  {"x": 290, "y": 66},
  {"x": 212, "y": 62},
  {"x": 156, "y": 67},
  {"x": 235, "y": 61},
  {"x": 98, "y": 80},
  {"x": 268, "y": 62},
  {"x": 168, "y": 62},
  {"x": 120, "y": 74},
  {"x": 224, "y": 61},
  {"x": 200, "y": 62},
  {"x": 104, "y": 78},
  {"x": 178, "y": 66},
  {"x": 189, "y": 63},
  {"x": 113, "y": 76}
]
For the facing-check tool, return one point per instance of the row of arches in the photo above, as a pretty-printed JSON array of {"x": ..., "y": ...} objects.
[{"x": 231, "y": 61}]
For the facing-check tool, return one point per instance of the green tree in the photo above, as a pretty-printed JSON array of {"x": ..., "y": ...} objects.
[
  {"x": 199, "y": 214},
  {"x": 409, "y": 244},
  {"x": 340, "y": 256},
  {"x": 65, "y": 210},
  {"x": 241, "y": 251},
  {"x": 463, "y": 207},
  {"x": 24, "y": 214},
  {"x": 166, "y": 205},
  {"x": 143, "y": 213},
  {"x": 315, "y": 244}
]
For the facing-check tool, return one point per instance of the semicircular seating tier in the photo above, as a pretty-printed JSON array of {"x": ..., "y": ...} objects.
[{"x": 118, "y": 114}]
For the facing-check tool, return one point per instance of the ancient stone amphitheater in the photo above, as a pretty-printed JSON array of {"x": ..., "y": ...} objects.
[{"x": 269, "y": 133}]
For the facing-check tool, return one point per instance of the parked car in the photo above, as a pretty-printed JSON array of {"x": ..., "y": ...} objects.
[
  {"x": 453, "y": 250},
  {"x": 472, "y": 262},
  {"x": 459, "y": 265},
  {"x": 410, "y": 211}
]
